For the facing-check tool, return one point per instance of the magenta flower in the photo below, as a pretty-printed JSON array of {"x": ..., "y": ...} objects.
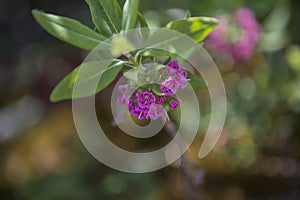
[
  {"x": 246, "y": 19},
  {"x": 180, "y": 75},
  {"x": 169, "y": 86},
  {"x": 122, "y": 89},
  {"x": 236, "y": 35},
  {"x": 173, "y": 64},
  {"x": 135, "y": 110},
  {"x": 146, "y": 99},
  {"x": 172, "y": 72},
  {"x": 156, "y": 111},
  {"x": 183, "y": 73},
  {"x": 174, "y": 104},
  {"x": 121, "y": 100},
  {"x": 131, "y": 106},
  {"x": 144, "y": 103},
  {"x": 161, "y": 99},
  {"x": 182, "y": 79},
  {"x": 143, "y": 113}
]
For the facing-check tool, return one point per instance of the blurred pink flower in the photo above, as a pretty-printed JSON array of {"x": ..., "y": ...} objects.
[{"x": 236, "y": 35}]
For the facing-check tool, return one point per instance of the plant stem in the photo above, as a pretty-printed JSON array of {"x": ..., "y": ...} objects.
[
  {"x": 190, "y": 170},
  {"x": 132, "y": 60}
]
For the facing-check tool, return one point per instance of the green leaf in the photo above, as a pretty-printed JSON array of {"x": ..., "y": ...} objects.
[
  {"x": 188, "y": 14},
  {"x": 142, "y": 21},
  {"x": 106, "y": 15},
  {"x": 91, "y": 72},
  {"x": 132, "y": 74},
  {"x": 149, "y": 52},
  {"x": 156, "y": 90},
  {"x": 68, "y": 30},
  {"x": 197, "y": 28},
  {"x": 130, "y": 13},
  {"x": 145, "y": 31},
  {"x": 197, "y": 83},
  {"x": 143, "y": 54}
]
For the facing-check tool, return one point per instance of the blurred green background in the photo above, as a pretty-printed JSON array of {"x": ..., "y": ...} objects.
[{"x": 257, "y": 156}]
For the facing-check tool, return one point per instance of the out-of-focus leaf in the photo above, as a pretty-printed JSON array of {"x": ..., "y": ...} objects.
[
  {"x": 275, "y": 35},
  {"x": 293, "y": 57},
  {"x": 188, "y": 14},
  {"x": 130, "y": 13},
  {"x": 197, "y": 28},
  {"x": 92, "y": 71},
  {"x": 121, "y": 45},
  {"x": 68, "y": 30},
  {"x": 106, "y": 15},
  {"x": 197, "y": 83}
]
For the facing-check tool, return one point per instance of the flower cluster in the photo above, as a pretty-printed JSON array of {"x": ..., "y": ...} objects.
[
  {"x": 236, "y": 36},
  {"x": 153, "y": 100}
]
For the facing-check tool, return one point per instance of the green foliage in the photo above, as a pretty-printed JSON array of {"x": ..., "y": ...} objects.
[
  {"x": 149, "y": 52},
  {"x": 91, "y": 72},
  {"x": 197, "y": 28},
  {"x": 130, "y": 13},
  {"x": 109, "y": 20},
  {"x": 68, "y": 30},
  {"x": 142, "y": 21},
  {"x": 197, "y": 83},
  {"x": 106, "y": 15},
  {"x": 156, "y": 90},
  {"x": 188, "y": 14},
  {"x": 145, "y": 31}
]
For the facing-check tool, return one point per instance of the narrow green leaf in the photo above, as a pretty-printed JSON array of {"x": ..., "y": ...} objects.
[
  {"x": 106, "y": 15},
  {"x": 130, "y": 13},
  {"x": 197, "y": 83},
  {"x": 68, "y": 30},
  {"x": 126, "y": 67},
  {"x": 145, "y": 31},
  {"x": 197, "y": 28},
  {"x": 142, "y": 21},
  {"x": 154, "y": 52},
  {"x": 143, "y": 54},
  {"x": 169, "y": 58},
  {"x": 188, "y": 14},
  {"x": 92, "y": 71}
]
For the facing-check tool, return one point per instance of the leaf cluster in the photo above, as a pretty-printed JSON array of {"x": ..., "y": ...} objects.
[{"x": 109, "y": 19}]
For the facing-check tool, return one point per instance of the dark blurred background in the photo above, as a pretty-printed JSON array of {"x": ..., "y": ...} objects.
[{"x": 257, "y": 156}]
